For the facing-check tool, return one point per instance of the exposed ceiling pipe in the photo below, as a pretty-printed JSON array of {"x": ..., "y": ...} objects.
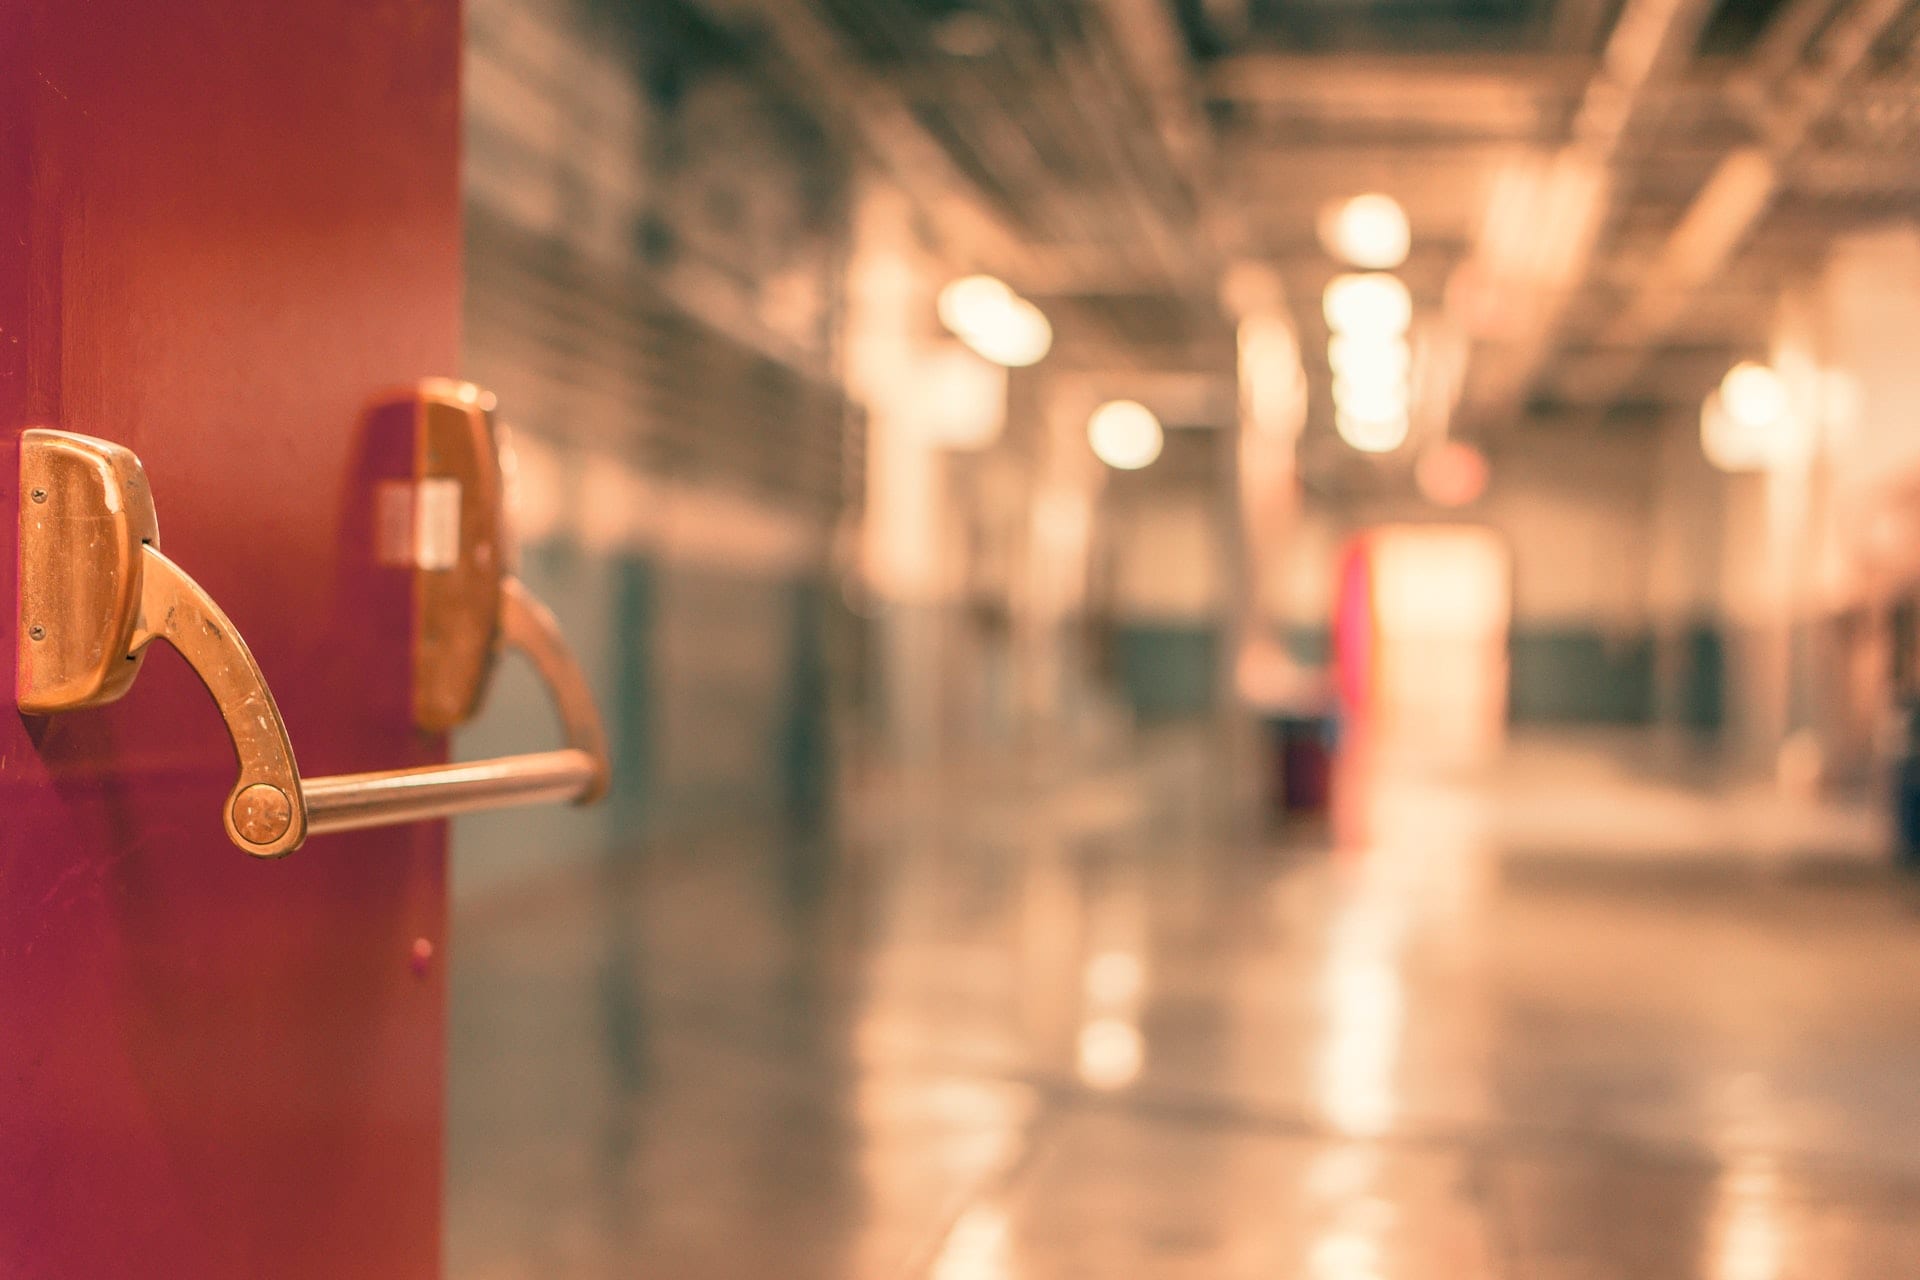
[
  {"x": 1015, "y": 159},
  {"x": 1097, "y": 113},
  {"x": 1443, "y": 90},
  {"x": 1742, "y": 188},
  {"x": 1154, "y": 57},
  {"x": 868, "y": 108},
  {"x": 1534, "y": 256},
  {"x": 1778, "y": 50}
]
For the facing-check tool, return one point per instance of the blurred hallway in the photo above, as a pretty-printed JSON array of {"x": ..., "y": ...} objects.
[
  {"x": 1080, "y": 1028},
  {"x": 965, "y": 437}
]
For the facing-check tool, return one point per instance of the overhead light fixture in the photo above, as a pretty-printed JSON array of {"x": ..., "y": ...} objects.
[
  {"x": 1728, "y": 445},
  {"x": 1369, "y": 435},
  {"x": 1785, "y": 441},
  {"x": 1375, "y": 399},
  {"x": 1124, "y": 434},
  {"x": 1372, "y": 304},
  {"x": 971, "y": 301},
  {"x": 1754, "y": 395},
  {"x": 995, "y": 321},
  {"x": 1371, "y": 396},
  {"x": 1751, "y": 423},
  {"x": 1367, "y": 231},
  {"x": 1369, "y": 314},
  {"x": 1021, "y": 338},
  {"x": 1363, "y": 358}
]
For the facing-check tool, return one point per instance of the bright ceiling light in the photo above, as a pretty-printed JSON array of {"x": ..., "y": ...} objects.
[
  {"x": 1373, "y": 399},
  {"x": 1124, "y": 434},
  {"x": 995, "y": 321},
  {"x": 1728, "y": 445},
  {"x": 1753, "y": 395},
  {"x": 1111, "y": 1051},
  {"x": 1367, "y": 231},
  {"x": 1370, "y": 305},
  {"x": 1020, "y": 336},
  {"x": 972, "y": 301},
  {"x": 1369, "y": 435},
  {"x": 1771, "y": 437},
  {"x": 1363, "y": 358}
]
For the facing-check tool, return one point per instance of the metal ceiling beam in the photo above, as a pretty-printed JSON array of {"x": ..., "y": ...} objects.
[
  {"x": 1053, "y": 94},
  {"x": 1093, "y": 114},
  {"x": 1153, "y": 55},
  {"x": 1745, "y": 185},
  {"x": 865, "y": 106},
  {"x": 1492, "y": 94},
  {"x": 1777, "y": 51},
  {"x": 1539, "y": 248}
]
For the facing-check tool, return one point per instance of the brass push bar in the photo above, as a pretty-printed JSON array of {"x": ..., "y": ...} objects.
[
  {"x": 577, "y": 773},
  {"x": 95, "y": 591}
]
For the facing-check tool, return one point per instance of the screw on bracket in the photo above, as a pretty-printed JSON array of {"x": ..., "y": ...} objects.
[
  {"x": 39, "y": 495},
  {"x": 37, "y": 633}
]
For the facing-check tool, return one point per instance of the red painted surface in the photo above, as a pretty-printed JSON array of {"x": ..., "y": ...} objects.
[
  {"x": 225, "y": 226},
  {"x": 1353, "y": 628}
]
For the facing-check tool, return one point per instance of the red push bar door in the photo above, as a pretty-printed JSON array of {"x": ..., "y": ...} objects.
[{"x": 226, "y": 226}]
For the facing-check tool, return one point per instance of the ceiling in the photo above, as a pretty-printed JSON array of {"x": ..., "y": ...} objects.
[{"x": 1606, "y": 195}]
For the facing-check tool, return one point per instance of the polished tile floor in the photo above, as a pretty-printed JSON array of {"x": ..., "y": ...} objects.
[{"x": 1075, "y": 1028}]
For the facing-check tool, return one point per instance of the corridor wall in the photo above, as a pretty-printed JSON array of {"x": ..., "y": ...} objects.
[{"x": 655, "y": 243}]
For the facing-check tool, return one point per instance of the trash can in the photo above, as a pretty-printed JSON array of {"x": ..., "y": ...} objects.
[
  {"x": 1906, "y": 792},
  {"x": 1300, "y": 781}
]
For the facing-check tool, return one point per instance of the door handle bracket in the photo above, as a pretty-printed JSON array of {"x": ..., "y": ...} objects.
[{"x": 96, "y": 591}]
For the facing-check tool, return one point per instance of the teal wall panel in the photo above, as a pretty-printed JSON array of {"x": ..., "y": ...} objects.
[
  {"x": 804, "y": 758},
  {"x": 630, "y": 728},
  {"x": 1167, "y": 671},
  {"x": 1697, "y": 660},
  {"x": 1309, "y": 646},
  {"x": 716, "y": 693},
  {"x": 501, "y": 847},
  {"x": 1580, "y": 675}
]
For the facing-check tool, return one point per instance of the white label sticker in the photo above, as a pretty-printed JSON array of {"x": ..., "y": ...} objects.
[
  {"x": 393, "y": 523},
  {"x": 436, "y": 524}
]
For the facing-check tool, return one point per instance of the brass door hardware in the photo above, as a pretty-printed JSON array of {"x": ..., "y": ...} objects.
[{"x": 95, "y": 591}]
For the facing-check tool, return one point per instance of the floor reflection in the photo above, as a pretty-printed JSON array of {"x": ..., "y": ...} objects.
[{"x": 1083, "y": 1029}]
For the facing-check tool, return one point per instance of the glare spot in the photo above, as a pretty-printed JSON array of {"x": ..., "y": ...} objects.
[
  {"x": 1113, "y": 978},
  {"x": 1753, "y": 394},
  {"x": 1111, "y": 1053},
  {"x": 1367, "y": 231},
  {"x": 1363, "y": 1002},
  {"x": 1345, "y": 1255},
  {"x": 995, "y": 321},
  {"x": 1369, "y": 357},
  {"x": 976, "y": 1248},
  {"x": 1371, "y": 435},
  {"x": 1750, "y": 1242},
  {"x": 1124, "y": 434},
  {"x": 1372, "y": 305}
]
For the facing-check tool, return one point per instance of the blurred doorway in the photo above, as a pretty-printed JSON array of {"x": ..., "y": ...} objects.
[{"x": 1421, "y": 643}]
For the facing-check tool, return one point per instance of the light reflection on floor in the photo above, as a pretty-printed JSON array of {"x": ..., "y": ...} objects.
[{"x": 1082, "y": 1031}]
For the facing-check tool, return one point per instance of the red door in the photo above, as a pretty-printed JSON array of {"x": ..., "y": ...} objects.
[{"x": 226, "y": 226}]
